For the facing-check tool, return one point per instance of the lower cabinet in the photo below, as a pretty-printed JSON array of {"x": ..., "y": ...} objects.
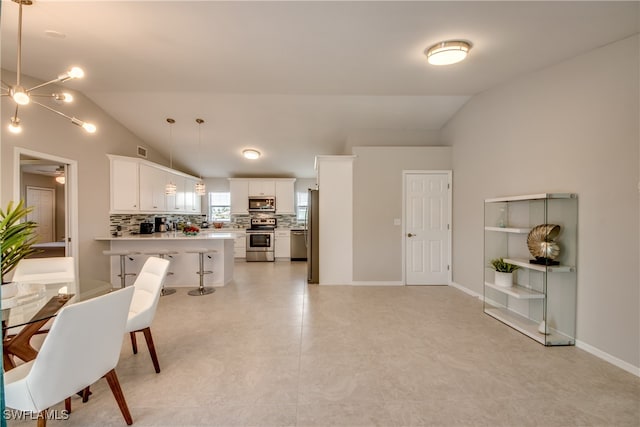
[
  {"x": 282, "y": 244},
  {"x": 240, "y": 245}
]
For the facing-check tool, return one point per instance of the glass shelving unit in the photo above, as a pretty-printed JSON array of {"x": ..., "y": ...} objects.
[{"x": 542, "y": 302}]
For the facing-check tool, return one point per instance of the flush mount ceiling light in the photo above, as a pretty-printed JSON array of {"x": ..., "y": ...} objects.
[
  {"x": 448, "y": 52},
  {"x": 200, "y": 187},
  {"x": 250, "y": 154},
  {"x": 23, "y": 96}
]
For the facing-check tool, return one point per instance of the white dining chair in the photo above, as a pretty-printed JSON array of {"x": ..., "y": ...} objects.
[
  {"x": 148, "y": 286},
  {"x": 46, "y": 271},
  {"x": 83, "y": 345}
]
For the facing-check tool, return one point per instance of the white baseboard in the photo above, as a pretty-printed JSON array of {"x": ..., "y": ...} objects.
[
  {"x": 466, "y": 290},
  {"x": 375, "y": 283},
  {"x": 635, "y": 370}
]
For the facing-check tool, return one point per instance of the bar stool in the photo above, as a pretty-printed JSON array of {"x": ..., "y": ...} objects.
[
  {"x": 162, "y": 253},
  {"x": 202, "y": 290},
  {"x": 123, "y": 268}
]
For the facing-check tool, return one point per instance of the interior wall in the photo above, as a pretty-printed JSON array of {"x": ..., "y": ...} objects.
[
  {"x": 377, "y": 202},
  {"x": 572, "y": 127},
  {"x": 48, "y": 133}
]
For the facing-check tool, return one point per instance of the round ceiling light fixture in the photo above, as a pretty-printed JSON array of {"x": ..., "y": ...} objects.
[
  {"x": 447, "y": 52},
  {"x": 250, "y": 154}
]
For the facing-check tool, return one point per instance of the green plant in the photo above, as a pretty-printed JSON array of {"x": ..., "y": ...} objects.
[
  {"x": 500, "y": 265},
  {"x": 16, "y": 238}
]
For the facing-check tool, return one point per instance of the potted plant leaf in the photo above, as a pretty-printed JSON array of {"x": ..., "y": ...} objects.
[
  {"x": 504, "y": 272},
  {"x": 16, "y": 237}
]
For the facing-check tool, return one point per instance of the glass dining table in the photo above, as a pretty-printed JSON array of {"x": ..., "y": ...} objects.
[{"x": 25, "y": 313}]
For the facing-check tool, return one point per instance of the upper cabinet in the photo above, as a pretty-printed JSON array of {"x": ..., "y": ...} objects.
[
  {"x": 138, "y": 186},
  {"x": 262, "y": 187},
  {"x": 243, "y": 188},
  {"x": 239, "y": 189},
  {"x": 191, "y": 199},
  {"x": 124, "y": 184},
  {"x": 152, "y": 189},
  {"x": 285, "y": 196}
]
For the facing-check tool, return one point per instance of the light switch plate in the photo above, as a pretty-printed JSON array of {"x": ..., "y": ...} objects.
[{"x": 396, "y": 221}]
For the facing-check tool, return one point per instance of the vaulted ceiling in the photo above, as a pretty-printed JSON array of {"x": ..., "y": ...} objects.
[{"x": 295, "y": 79}]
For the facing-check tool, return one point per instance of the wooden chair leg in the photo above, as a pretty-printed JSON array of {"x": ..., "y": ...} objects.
[
  {"x": 134, "y": 343},
  {"x": 42, "y": 418},
  {"x": 85, "y": 394},
  {"x": 152, "y": 349},
  {"x": 67, "y": 405},
  {"x": 114, "y": 384}
]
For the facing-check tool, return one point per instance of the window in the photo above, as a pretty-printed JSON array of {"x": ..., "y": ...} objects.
[
  {"x": 302, "y": 202},
  {"x": 220, "y": 207}
]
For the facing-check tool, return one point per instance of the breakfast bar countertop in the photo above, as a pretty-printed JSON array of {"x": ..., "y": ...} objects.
[{"x": 206, "y": 235}]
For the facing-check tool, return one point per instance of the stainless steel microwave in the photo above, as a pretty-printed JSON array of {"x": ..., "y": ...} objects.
[{"x": 262, "y": 204}]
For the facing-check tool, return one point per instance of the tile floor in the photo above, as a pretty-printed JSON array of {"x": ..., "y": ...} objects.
[{"x": 270, "y": 350}]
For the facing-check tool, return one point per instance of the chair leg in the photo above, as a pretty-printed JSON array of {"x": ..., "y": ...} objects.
[
  {"x": 152, "y": 349},
  {"x": 114, "y": 384},
  {"x": 67, "y": 405},
  {"x": 85, "y": 394},
  {"x": 42, "y": 418},
  {"x": 134, "y": 343}
]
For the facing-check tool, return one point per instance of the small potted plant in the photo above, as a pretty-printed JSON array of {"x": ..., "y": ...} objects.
[{"x": 504, "y": 272}]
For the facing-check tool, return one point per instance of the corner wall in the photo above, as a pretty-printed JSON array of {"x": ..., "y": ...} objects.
[
  {"x": 572, "y": 127},
  {"x": 377, "y": 201}
]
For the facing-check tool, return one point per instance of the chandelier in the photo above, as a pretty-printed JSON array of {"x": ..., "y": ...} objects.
[{"x": 22, "y": 96}]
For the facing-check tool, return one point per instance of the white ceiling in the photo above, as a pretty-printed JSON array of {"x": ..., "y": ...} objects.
[{"x": 295, "y": 79}]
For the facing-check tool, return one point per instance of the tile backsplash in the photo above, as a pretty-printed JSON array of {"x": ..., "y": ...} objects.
[{"x": 131, "y": 222}]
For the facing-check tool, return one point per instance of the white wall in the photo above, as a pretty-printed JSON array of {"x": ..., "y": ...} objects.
[
  {"x": 335, "y": 215},
  {"x": 572, "y": 127},
  {"x": 49, "y": 133},
  {"x": 377, "y": 201}
]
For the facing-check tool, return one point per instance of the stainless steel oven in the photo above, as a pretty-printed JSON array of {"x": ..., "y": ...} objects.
[{"x": 261, "y": 239}]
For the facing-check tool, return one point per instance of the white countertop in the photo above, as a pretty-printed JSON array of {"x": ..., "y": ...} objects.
[{"x": 203, "y": 235}]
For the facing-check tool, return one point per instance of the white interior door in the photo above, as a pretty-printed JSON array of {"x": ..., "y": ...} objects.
[
  {"x": 43, "y": 201},
  {"x": 427, "y": 228}
]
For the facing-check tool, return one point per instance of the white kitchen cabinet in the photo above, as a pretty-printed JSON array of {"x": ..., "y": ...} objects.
[
  {"x": 152, "y": 189},
  {"x": 240, "y": 244},
  {"x": 262, "y": 187},
  {"x": 192, "y": 202},
  {"x": 239, "y": 191},
  {"x": 176, "y": 203},
  {"x": 285, "y": 197},
  {"x": 124, "y": 184},
  {"x": 282, "y": 244}
]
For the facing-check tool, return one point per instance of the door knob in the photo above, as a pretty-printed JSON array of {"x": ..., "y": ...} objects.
[{"x": 410, "y": 235}]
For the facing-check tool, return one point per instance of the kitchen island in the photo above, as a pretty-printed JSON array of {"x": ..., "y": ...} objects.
[{"x": 183, "y": 265}]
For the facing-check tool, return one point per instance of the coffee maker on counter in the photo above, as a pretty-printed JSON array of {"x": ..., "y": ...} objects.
[{"x": 161, "y": 224}]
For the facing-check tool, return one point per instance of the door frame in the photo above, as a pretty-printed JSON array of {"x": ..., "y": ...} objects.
[
  {"x": 70, "y": 195},
  {"x": 449, "y": 174}
]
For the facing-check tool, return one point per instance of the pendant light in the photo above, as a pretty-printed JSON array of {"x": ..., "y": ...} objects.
[
  {"x": 200, "y": 187},
  {"x": 23, "y": 96},
  {"x": 170, "y": 188}
]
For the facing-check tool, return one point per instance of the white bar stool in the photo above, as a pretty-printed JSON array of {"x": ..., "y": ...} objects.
[
  {"x": 162, "y": 253},
  {"x": 202, "y": 290},
  {"x": 123, "y": 267}
]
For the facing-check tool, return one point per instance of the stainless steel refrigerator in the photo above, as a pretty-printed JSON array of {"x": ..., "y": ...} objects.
[{"x": 313, "y": 270}]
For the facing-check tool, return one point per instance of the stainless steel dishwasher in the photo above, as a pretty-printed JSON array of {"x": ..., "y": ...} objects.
[{"x": 298, "y": 245}]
